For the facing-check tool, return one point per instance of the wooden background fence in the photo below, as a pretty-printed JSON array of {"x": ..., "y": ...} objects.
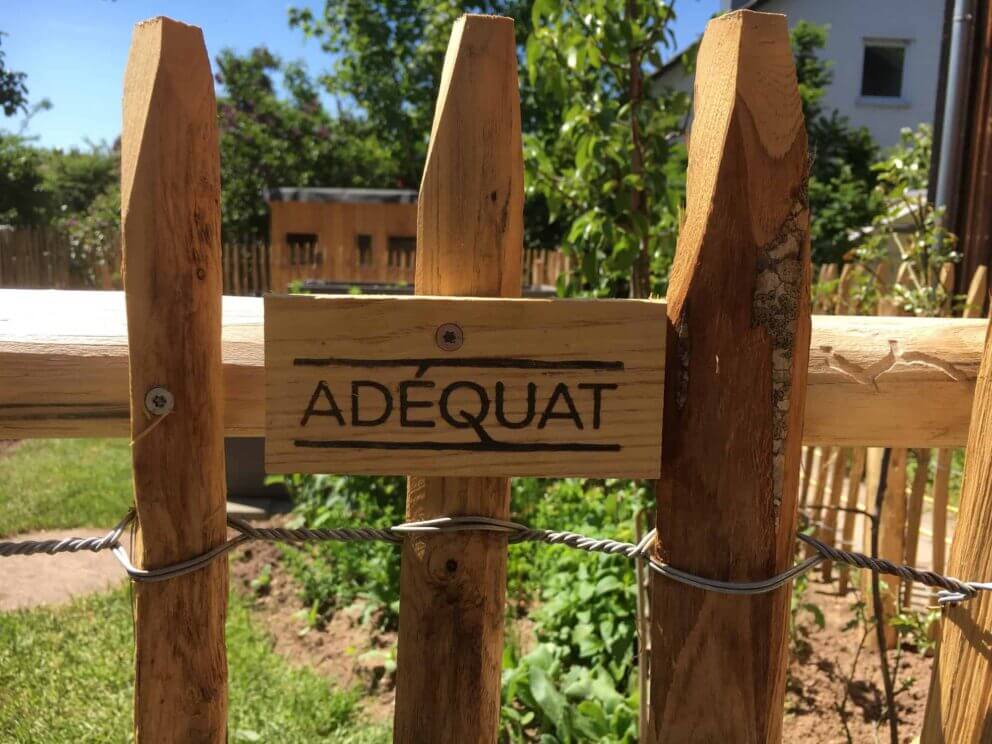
[
  {"x": 917, "y": 511},
  {"x": 41, "y": 258}
]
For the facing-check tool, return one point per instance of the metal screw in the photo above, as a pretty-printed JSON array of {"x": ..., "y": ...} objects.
[
  {"x": 159, "y": 401},
  {"x": 449, "y": 337}
]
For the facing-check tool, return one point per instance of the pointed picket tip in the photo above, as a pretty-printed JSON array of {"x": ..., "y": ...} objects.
[
  {"x": 746, "y": 91},
  {"x": 168, "y": 87},
  {"x": 471, "y": 194}
]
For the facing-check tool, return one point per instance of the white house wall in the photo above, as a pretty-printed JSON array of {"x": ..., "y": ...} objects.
[{"x": 850, "y": 23}]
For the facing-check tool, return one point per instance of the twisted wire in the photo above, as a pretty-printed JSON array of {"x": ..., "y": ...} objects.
[{"x": 952, "y": 590}]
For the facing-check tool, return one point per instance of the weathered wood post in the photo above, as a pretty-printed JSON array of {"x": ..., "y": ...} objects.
[
  {"x": 469, "y": 242},
  {"x": 959, "y": 707},
  {"x": 735, "y": 381},
  {"x": 170, "y": 217}
]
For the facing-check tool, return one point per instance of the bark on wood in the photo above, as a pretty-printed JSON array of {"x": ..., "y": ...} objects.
[
  {"x": 735, "y": 388},
  {"x": 170, "y": 193},
  {"x": 469, "y": 242}
]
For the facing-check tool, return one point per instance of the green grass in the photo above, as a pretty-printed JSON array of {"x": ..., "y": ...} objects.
[
  {"x": 62, "y": 483},
  {"x": 66, "y": 675}
]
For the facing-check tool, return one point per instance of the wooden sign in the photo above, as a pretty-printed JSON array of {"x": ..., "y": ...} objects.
[{"x": 464, "y": 386}]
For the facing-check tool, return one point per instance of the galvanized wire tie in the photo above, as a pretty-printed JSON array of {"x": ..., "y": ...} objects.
[{"x": 951, "y": 591}]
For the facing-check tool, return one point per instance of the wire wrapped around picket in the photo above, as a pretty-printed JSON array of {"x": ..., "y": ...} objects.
[{"x": 951, "y": 590}]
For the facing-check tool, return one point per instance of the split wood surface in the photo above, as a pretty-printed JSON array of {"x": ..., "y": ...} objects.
[
  {"x": 470, "y": 242},
  {"x": 735, "y": 384},
  {"x": 170, "y": 194},
  {"x": 63, "y": 372}
]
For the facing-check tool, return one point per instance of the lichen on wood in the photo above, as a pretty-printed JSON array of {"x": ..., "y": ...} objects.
[{"x": 776, "y": 309}]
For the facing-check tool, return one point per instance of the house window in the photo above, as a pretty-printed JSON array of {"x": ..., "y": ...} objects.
[
  {"x": 881, "y": 72},
  {"x": 364, "y": 249},
  {"x": 400, "y": 251},
  {"x": 302, "y": 248}
]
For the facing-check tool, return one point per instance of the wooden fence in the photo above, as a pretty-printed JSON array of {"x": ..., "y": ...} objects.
[
  {"x": 34, "y": 257},
  {"x": 836, "y": 479},
  {"x": 749, "y": 380},
  {"x": 39, "y": 258}
]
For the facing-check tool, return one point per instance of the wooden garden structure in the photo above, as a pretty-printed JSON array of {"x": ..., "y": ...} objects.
[{"x": 749, "y": 378}]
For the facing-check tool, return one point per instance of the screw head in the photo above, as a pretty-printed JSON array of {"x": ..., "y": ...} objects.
[
  {"x": 159, "y": 401},
  {"x": 449, "y": 337}
]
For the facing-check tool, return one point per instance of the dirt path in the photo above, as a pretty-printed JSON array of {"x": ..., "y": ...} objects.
[{"x": 31, "y": 580}]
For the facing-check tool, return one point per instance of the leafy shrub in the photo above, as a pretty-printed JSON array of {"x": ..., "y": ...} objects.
[
  {"x": 579, "y": 682},
  {"x": 334, "y": 575}
]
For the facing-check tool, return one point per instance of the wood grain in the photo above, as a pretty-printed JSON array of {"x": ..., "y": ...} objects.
[
  {"x": 829, "y": 517},
  {"x": 738, "y": 305},
  {"x": 469, "y": 242},
  {"x": 914, "y": 516},
  {"x": 170, "y": 217},
  {"x": 959, "y": 707},
  {"x": 851, "y": 501},
  {"x": 346, "y": 372},
  {"x": 63, "y": 372}
]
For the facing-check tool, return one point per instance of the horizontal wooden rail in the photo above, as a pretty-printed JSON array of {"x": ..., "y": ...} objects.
[{"x": 873, "y": 381}]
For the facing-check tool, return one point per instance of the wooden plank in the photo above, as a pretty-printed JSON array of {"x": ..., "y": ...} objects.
[
  {"x": 914, "y": 515},
  {"x": 738, "y": 305},
  {"x": 977, "y": 290},
  {"x": 805, "y": 476},
  {"x": 959, "y": 707},
  {"x": 63, "y": 372},
  {"x": 829, "y": 518},
  {"x": 172, "y": 267},
  {"x": 892, "y": 519},
  {"x": 850, "y": 518},
  {"x": 470, "y": 239},
  {"x": 941, "y": 479},
  {"x": 536, "y": 387}
]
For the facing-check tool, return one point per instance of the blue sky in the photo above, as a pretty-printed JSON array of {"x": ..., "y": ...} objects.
[{"x": 74, "y": 51}]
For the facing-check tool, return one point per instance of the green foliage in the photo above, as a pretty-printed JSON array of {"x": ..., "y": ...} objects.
[
  {"x": 546, "y": 700},
  {"x": 66, "y": 674},
  {"x": 61, "y": 483},
  {"x": 610, "y": 168},
  {"x": 387, "y": 61},
  {"x": 915, "y": 628},
  {"x": 800, "y": 606},
  {"x": 23, "y": 200},
  {"x": 906, "y": 230},
  {"x": 268, "y": 140},
  {"x": 334, "y": 575},
  {"x": 842, "y": 179},
  {"x": 74, "y": 178},
  {"x": 580, "y": 682},
  {"x": 93, "y": 234},
  {"x": 13, "y": 87}
]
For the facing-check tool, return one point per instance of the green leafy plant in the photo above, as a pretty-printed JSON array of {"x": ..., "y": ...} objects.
[
  {"x": 593, "y": 61},
  {"x": 800, "y": 606},
  {"x": 907, "y": 231},
  {"x": 915, "y": 628},
  {"x": 334, "y": 575},
  {"x": 262, "y": 583}
]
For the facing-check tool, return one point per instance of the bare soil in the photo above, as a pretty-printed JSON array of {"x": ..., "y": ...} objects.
[
  {"x": 826, "y": 702},
  {"x": 344, "y": 650}
]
